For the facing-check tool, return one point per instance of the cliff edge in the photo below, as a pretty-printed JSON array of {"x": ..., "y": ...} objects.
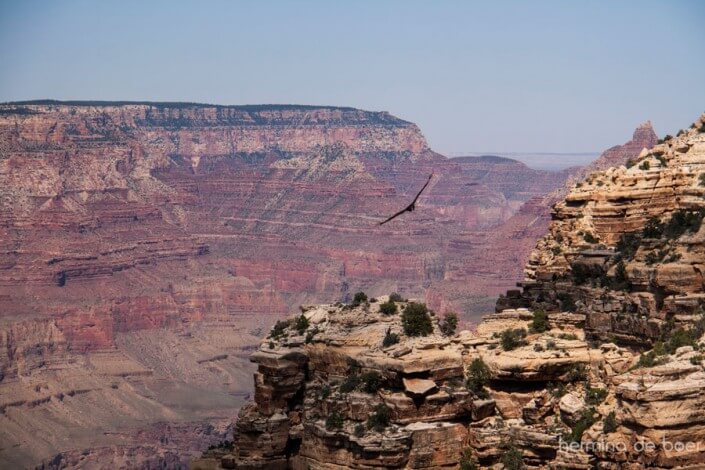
[{"x": 595, "y": 363}]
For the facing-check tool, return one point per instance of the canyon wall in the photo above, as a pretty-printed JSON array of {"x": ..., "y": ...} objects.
[
  {"x": 595, "y": 363},
  {"x": 145, "y": 247}
]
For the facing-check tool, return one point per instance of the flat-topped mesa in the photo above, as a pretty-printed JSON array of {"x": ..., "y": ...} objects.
[{"x": 195, "y": 127}]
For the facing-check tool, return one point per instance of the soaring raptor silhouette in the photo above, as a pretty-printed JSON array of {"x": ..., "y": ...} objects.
[{"x": 410, "y": 207}]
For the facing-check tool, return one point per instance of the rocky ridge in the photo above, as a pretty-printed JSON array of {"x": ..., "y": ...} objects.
[{"x": 595, "y": 363}]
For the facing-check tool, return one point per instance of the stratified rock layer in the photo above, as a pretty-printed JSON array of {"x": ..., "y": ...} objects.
[
  {"x": 144, "y": 247},
  {"x": 595, "y": 363}
]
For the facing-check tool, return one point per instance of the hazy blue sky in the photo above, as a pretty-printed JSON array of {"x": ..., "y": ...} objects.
[{"x": 541, "y": 76}]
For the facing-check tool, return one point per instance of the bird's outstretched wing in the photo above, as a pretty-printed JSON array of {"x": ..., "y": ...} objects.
[
  {"x": 395, "y": 215},
  {"x": 419, "y": 194},
  {"x": 410, "y": 207}
]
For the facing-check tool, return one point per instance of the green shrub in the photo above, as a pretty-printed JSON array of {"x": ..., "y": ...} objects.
[
  {"x": 359, "y": 430},
  {"x": 652, "y": 258},
  {"x": 512, "y": 458},
  {"x": 301, "y": 323},
  {"x": 388, "y": 308},
  {"x": 512, "y": 339},
  {"x": 701, "y": 179},
  {"x": 449, "y": 324},
  {"x": 595, "y": 396},
  {"x": 540, "y": 322},
  {"x": 390, "y": 339},
  {"x": 586, "y": 420},
  {"x": 538, "y": 347},
  {"x": 577, "y": 373},
  {"x": 311, "y": 334},
  {"x": 683, "y": 221},
  {"x": 416, "y": 320},
  {"x": 350, "y": 383},
  {"x": 621, "y": 279},
  {"x": 653, "y": 228},
  {"x": 478, "y": 377},
  {"x": 371, "y": 382},
  {"x": 279, "y": 328},
  {"x": 589, "y": 237},
  {"x": 628, "y": 245},
  {"x": 380, "y": 419},
  {"x": 645, "y": 165},
  {"x": 568, "y": 336},
  {"x": 334, "y": 421},
  {"x": 359, "y": 298},
  {"x": 680, "y": 338},
  {"x": 467, "y": 462},
  {"x": 550, "y": 344},
  {"x": 394, "y": 297},
  {"x": 610, "y": 423},
  {"x": 556, "y": 389},
  {"x": 567, "y": 302},
  {"x": 649, "y": 359}
]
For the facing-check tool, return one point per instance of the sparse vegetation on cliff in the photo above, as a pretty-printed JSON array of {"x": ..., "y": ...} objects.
[
  {"x": 512, "y": 458},
  {"x": 301, "y": 324},
  {"x": 513, "y": 338},
  {"x": 379, "y": 420},
  {"x": 390, "y": 339},
  {"x": 478, "y": 377},
  {"x": 610, "y": 423},
  {"x": 388, "y": 308},
  {"x": 416, "y": 321},
  {"x": 539, "y": 324},
  {"x": 334, "y": 421},
  {"x": 449, "y": 324}
]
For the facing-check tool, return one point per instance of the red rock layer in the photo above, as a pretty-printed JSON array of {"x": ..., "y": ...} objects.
[{"x": 188, "y": 221}]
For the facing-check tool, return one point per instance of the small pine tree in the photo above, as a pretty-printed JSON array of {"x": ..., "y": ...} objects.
[
  {"x": 388, "y": 308},
  {"x": 301, "y": 323},
  {"x": 449, "y": 324},
  {"x": 478, "y": 377},
  {"x": 610, "y": 423},
  {"x": 416, "y": 321},
  {"x": 540, "y": 322},
  {"x": 512, "y": 459}
]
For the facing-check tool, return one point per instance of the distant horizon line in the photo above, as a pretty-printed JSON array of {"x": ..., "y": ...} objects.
[{"x": 493, "y": 153}]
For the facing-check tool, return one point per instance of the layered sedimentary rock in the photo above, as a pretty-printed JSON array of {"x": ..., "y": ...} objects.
[
  {"x": 144, "y": 247},
  {"x": 492, "y": 259},
  {"x": 595, "y": 363}
]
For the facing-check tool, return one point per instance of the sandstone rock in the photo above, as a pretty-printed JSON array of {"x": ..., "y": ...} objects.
[{"x": 419, "y": 387}]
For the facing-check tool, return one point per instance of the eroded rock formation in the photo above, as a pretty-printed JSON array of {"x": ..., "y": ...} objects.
[
  {"x": 144, "y": 247},
  {"x": 595, "y": 363}
]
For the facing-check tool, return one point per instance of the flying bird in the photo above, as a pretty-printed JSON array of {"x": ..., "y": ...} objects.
[{"x": 410, "y": 207}]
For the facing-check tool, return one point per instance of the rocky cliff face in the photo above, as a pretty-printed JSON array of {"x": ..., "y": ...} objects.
[
  {"x": 146, "y": 246},
  {"x": 595, "y": 363},
  {"x": 492, "y": 259}
]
